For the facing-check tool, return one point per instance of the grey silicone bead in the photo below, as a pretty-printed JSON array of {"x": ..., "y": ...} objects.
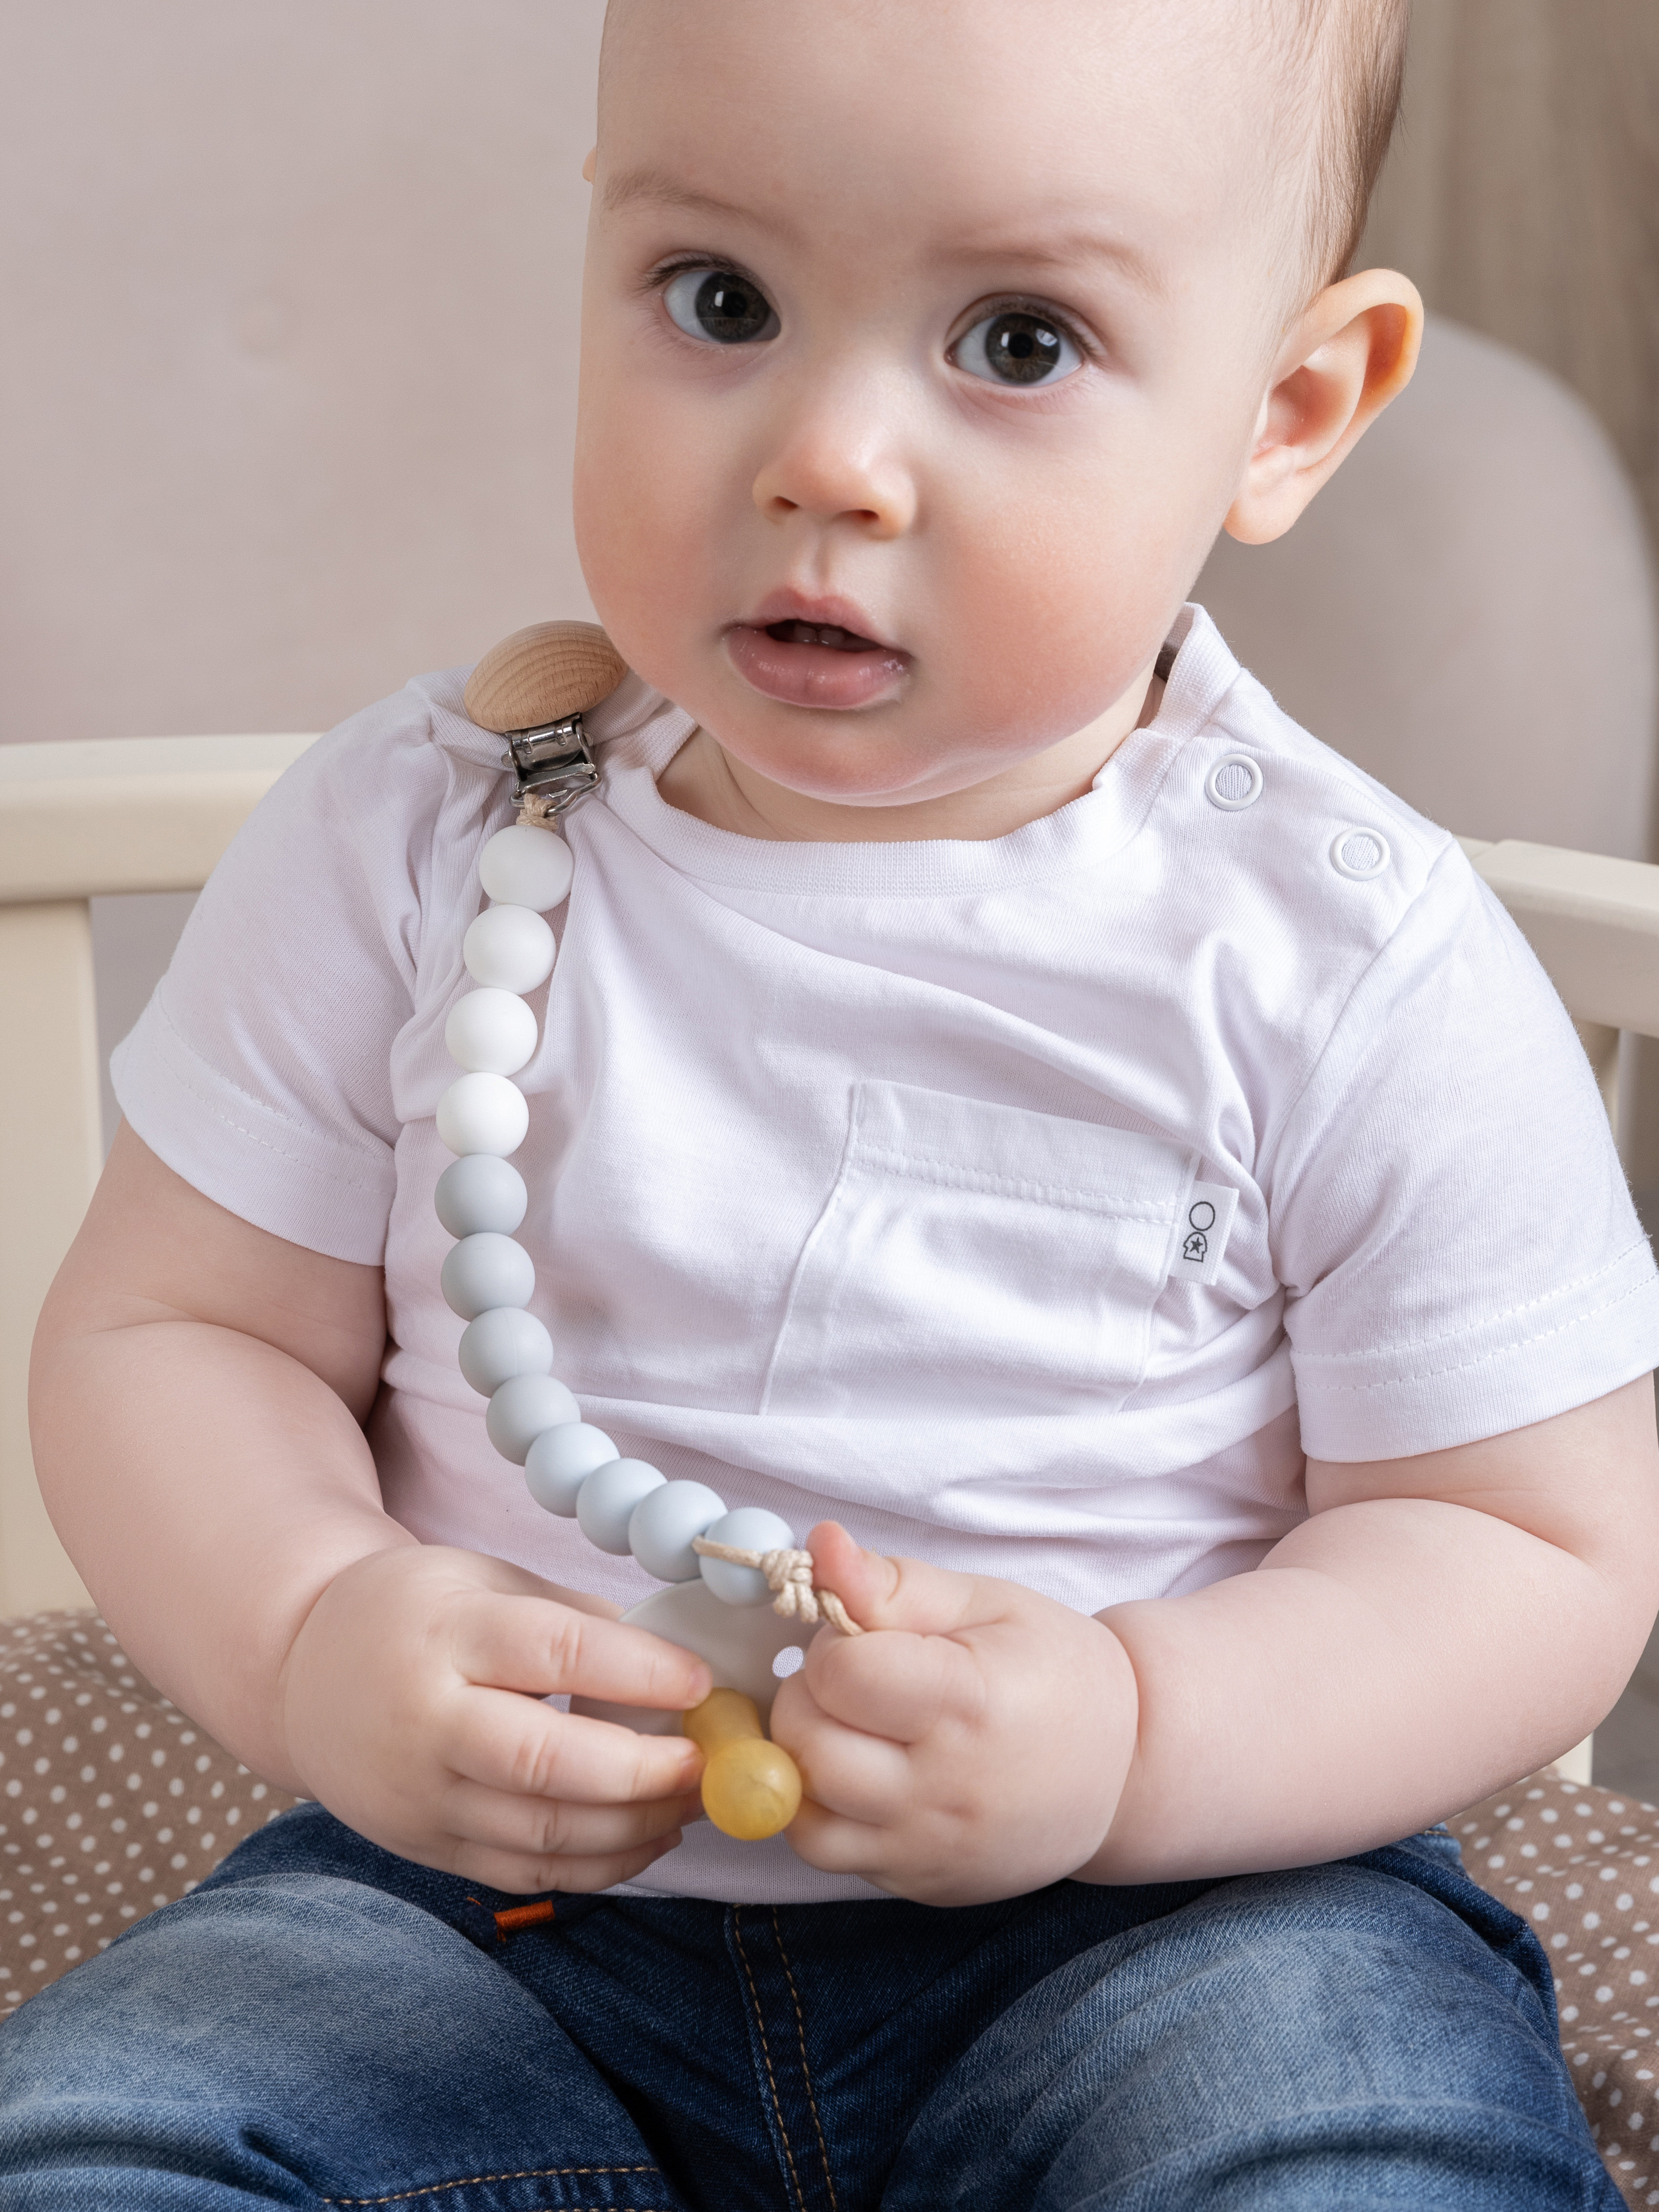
[
  {"x": 608, "y": 1498},
  {"x": 486, "y": 1270},
  {"x": 560, "y": 1462},
  {"x": 522, "y": 1409},
  {"x": 749, "y": 1529},
  {"x": 481, "y": 1192},
  {"x": 663, "y": 1524},
  {"x": 501, "y": 1343}
]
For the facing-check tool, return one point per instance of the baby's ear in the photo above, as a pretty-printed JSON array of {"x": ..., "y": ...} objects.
[{"x": 1352, "y": 350}]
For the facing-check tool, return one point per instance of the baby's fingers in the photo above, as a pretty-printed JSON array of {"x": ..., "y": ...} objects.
[
  {"x": 529, "y": 1750},
  {"x": 528, "y": 1644},
  {"x": 535, "y": 1829}
]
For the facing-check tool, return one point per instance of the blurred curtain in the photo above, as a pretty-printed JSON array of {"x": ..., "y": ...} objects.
[{"x": 1523, "y": 194}]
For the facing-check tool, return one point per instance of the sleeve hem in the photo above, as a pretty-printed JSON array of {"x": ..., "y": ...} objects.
[
  {"x": 1434, "y": 1398},
  {"x": 272, "y": 1173}
]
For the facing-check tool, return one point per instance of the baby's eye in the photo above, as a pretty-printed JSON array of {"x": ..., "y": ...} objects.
[
  {"x": 1016, "y": 345},
  {"x": 719, "y": 304}
]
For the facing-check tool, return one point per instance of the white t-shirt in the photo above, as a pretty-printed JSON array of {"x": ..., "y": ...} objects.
[{"x": 866, "y": 1179}]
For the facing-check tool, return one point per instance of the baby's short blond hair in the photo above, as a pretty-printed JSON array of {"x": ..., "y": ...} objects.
[{"x": 1343, "y": 101}]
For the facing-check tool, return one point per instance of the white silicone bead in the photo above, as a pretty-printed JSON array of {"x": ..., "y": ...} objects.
[
  {"x": 509, "y": 948},
  {"x": 523, "y": 1408},
  {"x": 480, "y": 1191},
  {"x": 483, "y": 1114},
  {"x": 749, "y": 1529},
  {"x": 560, "y": 1462},
  {"x": 660, "y": 1531},
  {"x": 526, "y": 866},
  {"x": 490, "y": 1032},
  {"x": 503, "y": 1342},
  {"x": 607, "y": 1500},
  {"x": 485, "y": 1271}
]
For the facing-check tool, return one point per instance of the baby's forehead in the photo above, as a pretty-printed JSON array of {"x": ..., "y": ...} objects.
[{"x": 990, "y": 82}]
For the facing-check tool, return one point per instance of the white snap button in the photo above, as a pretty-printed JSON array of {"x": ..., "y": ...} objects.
[
  {"x": 1233, "y": 783},
  {"x": 1359, "y": 854}
]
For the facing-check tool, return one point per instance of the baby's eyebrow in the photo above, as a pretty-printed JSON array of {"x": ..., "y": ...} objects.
[
  {"x": 1048, "y": 248},
  {"x": 663, "y": 189},
  {"x": 1058, "y": 250}
]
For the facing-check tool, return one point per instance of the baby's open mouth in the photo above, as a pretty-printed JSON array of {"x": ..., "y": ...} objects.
[
  {"x": 805, "y": 664},
  {"x": 804, "y": 633}
]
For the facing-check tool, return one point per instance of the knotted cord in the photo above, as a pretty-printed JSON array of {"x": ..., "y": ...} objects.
[{"x": 788, "y": 1576}]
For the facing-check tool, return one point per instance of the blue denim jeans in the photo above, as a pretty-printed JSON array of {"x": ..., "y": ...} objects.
[{"x": 322, "y": 2024}]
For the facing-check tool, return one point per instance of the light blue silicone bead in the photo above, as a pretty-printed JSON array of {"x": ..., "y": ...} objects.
[
  {"x": 480, "y": 1191},
  {"x": 485, "y": 1271},
  {"x": 560, "y": 1462},
  {"x": 607, "y": 1500},
  {"x": 659, "y": 1534},
  {"x": 522, "y": 1408},
  {"x": 501, "y": 1343},
  {"x": 749, "y": 1529}
]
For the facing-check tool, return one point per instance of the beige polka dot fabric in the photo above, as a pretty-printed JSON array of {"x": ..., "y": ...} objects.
[
  {"x": 111, "y": 1803},
  {"x": 1582, "y": 1865}
]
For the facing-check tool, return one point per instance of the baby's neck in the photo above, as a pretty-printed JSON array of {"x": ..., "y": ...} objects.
[{"x": 704, "y": 780}]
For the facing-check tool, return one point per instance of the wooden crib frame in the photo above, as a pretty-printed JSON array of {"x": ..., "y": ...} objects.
[{"x": 153, "y": 814}]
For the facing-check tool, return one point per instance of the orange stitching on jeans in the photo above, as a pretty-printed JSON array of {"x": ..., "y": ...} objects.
[
  {"x": 473, "y": 2180},
  {"x": 806, "y": 2071},
  {"x": 771, "y": 2082}
]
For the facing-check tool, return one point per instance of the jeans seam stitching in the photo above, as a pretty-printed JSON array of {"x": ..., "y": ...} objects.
[
  {"x": 766, "y": 2054},
  {"x": 805, "y": 2070},
  {"x": 475, "y": 2180}
]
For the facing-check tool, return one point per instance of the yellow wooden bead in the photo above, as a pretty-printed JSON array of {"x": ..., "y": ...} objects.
[{"x": 751, "y": 1787}]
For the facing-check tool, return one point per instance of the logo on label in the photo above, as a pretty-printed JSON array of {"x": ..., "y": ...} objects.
[{"x": 1203, "y": 1232}]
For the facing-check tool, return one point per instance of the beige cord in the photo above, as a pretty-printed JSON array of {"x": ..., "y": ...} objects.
[{"x": 789, "y": 1577}]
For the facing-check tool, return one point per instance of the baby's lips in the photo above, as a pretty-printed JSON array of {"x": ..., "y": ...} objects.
[{"x": 825, "y": 677}]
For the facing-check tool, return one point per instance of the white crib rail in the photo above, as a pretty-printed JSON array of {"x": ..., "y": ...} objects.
[
  {"x": 154, "y": 814},
  {"x": 77, "y": 821}
]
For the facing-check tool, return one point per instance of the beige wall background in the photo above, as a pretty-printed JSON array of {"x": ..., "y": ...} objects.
[{"x": 287, "y": 351}]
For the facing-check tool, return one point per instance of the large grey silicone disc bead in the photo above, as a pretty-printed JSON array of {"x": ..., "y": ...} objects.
[
  {"x": 749, "y": 1529},
  {"x": 607, "y": 1500},
  {"x": 560, "y": 1462},
  {"x": 659, "y": 1534},
  {"x": 480, "y": 1191},
  {"x": 501, "y": 1343},
  {"x": 522, "y": 1409},
  {"x": 485, "y": 1271}
]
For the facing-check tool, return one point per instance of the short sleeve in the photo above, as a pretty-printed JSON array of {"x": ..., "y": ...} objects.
[
  {"x": 1450, "y": 1219},
  {"x": 260, "y": 1069}
]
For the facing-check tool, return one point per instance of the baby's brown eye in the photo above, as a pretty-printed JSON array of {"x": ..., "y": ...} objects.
[
  {"x": 719, "y": 304},
  {"x": 1016, "y": 345}
]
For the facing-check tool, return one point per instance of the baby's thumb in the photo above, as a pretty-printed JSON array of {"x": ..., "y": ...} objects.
[{"x": 882, "y": 1592}]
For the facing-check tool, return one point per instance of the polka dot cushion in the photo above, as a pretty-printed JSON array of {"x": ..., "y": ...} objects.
[
  {"x": 1582, "y": 1865},
  {"x": 111, "y": 1803}
]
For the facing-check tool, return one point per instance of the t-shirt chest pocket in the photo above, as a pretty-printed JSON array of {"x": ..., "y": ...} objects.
[{"x": 978, "y": 1259}]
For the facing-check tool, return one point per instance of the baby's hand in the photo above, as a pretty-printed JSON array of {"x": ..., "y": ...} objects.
[
  {"x": 973, "y": 1746},
  {"x": 410, "y": 1704}
]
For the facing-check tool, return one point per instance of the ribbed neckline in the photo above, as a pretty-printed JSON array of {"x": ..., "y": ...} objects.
[{"x": 1081, "y": 834}]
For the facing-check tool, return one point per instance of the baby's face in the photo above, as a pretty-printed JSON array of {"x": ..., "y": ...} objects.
[{"x": 941, "y": 327}]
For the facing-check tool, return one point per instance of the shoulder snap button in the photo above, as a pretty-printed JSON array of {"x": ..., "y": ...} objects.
[
  {"x": 1359, "y": 854},
  {"x": 1233, "y": 783}
]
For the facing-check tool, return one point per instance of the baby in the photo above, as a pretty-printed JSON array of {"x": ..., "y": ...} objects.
[{"x": 1005, "y": 1096}]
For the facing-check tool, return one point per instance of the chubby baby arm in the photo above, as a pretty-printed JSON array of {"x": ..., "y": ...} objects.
[
  {"x": 197, "y": 1397},
  {"x": 1437, "y": 1627}
]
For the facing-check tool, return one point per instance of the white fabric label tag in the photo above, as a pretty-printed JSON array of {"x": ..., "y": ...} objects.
[{"x": 1202, "y": 1236}]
